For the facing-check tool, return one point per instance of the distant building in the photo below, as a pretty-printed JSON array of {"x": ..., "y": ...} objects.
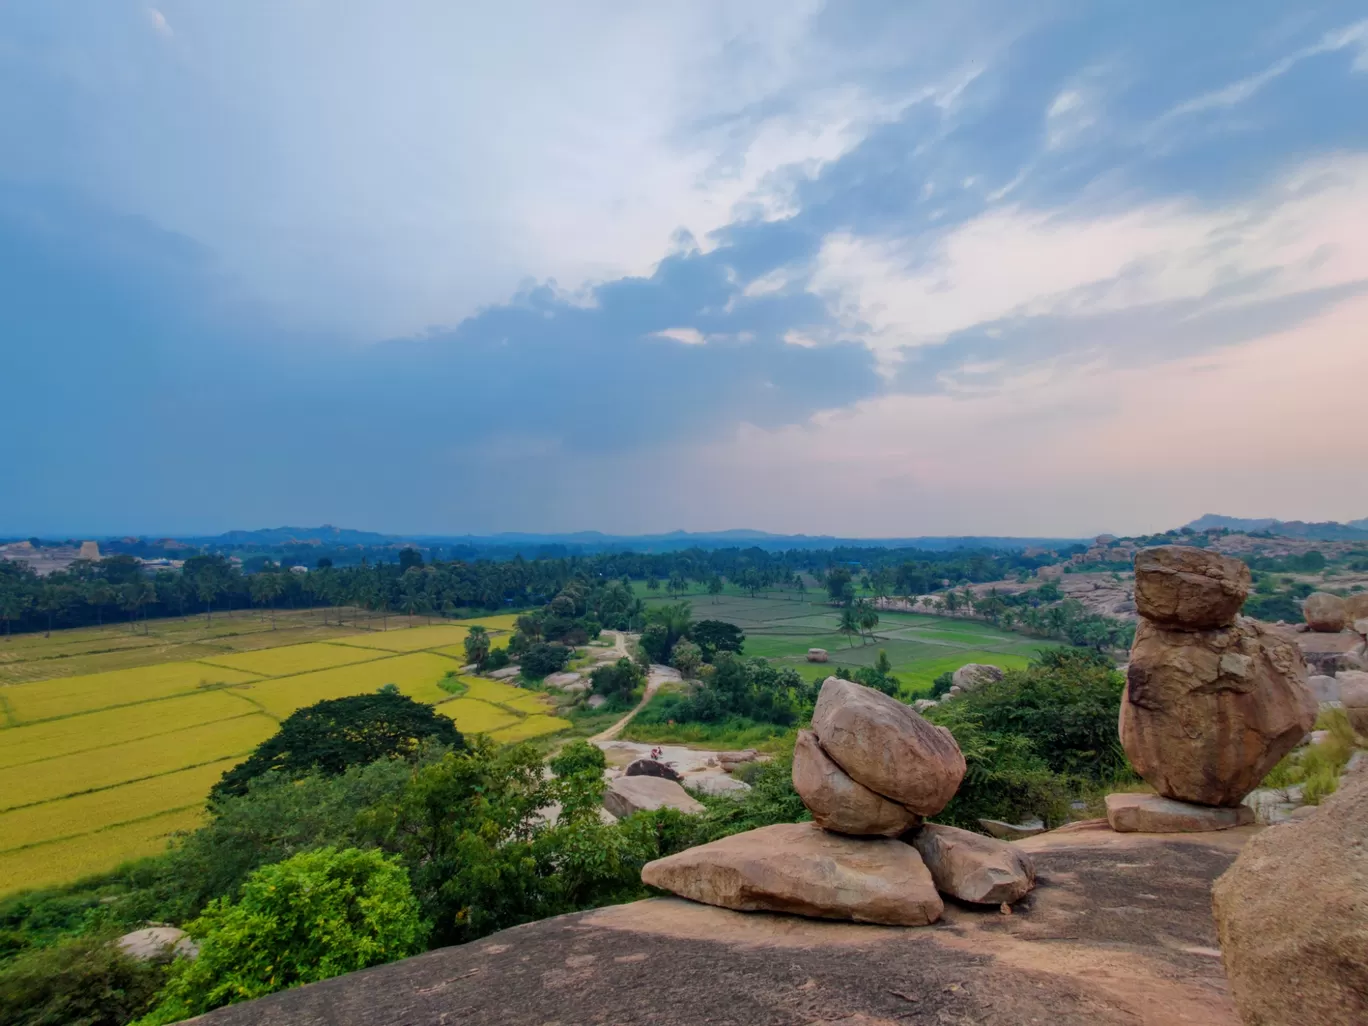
[{"x": 89, "y": 550}]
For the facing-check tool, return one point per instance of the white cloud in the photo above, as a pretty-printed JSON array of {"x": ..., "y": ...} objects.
[
  {"x": 159, "y": 23},
  {"x": 1301, "y": 233},
  {"x": 688, "y": 336}
]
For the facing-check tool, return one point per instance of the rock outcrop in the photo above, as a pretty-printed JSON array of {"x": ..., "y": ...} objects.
[
  {"x": 1155, "y": 814},
  {"x": 1330, "y": 653},
  {"x": 971, "y": 675},
  {"x": 972, "y": 867},
  {"x": 1292, "y": 917},
  {"x": 803, "y": 869},
  {"x": 887, "y": 746},
  {"x": 1206, "y": 714},
  {"x": 158, "y": 943},
  {"x": 651, "y": 768},
  {"x": 839, "y": 803},
  {"x": 1185, "y": 587},
  {"x": 626, "y": 795},
  {"x": 1356, "y": 608},
  {"x": 1325, "y": 613}
]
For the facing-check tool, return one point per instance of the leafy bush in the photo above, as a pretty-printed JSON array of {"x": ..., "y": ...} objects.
[
  {"x": 544, "y": 658},
  {"x": 686, "y": 657},
  {"x": 713, "y": 636},
  {"x": 83, "y": 981},
  {"x": 332, "y": 736},
  {"x": 578, "y": 757},
  {"x": 316, "y": 915},
  {"x": 617, "y": 681},
  {"x": 942, "y": 684},
  {"x": 748, "y": 688}
]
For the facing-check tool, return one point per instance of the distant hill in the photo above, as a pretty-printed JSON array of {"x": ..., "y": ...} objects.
[
  {"x": 275, "y": 536},
  {"x": 1329, "y": 530}
]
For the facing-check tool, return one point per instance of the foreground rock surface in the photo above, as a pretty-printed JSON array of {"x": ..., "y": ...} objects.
[
  {"x": 803, "y": 869},
  {"x": 974, "y": 868},
  {"x": 1206, "y": 714},
  {"x": 1090, "y": 946},
  {"x": 1292, "y": 916},
  {"x": 1181, "y": 586},
  {"x": 626, "y": 795},
  {"x": 837, "y": 802},
  {"x": 1155, "y": 814},
  {"x": 887, "y": 746}
]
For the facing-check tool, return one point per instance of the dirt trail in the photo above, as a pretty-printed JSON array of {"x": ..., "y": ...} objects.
[{"x": 657, "y": 676}]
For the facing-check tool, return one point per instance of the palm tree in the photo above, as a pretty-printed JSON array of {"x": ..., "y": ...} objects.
[
  {"x": 849, "y": 625},
  {"x": 867, "y": 616}
]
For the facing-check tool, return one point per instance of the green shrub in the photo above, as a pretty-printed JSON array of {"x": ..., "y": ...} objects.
[
  {"x": 316, "y": 915},
  {"x": 542, "y": 659},
  {"x": 80, "y": 981},
  {"x": 578, "y": 757}
]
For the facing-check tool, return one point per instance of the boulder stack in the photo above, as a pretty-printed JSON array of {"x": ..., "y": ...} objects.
[
  {"x": 869, "y": 770},
  {"x": 1212, "y": 700}
]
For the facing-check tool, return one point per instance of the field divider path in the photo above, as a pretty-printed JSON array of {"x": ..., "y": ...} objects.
[
  {"x": 134, "y": 780},
  {"x": 108, "y": 826}
]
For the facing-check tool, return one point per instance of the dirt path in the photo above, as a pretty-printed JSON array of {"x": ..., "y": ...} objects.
[{"x": 657, "y": 676}]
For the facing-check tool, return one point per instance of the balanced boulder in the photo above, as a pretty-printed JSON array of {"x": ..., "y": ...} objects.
[
  {"x": 1206, "y": 714},
  {"x": 887, "y": 746},
  {"x": 1292, "y": 917},
  {"x": 839, "y": 803},
  {"x": 627, "y": 795},
  {"x": 1325, "y": 613},
  {"x": 803, "y": 869},
  {"x": 971, "y": 675},
  {"x": 974, "y": 868},
  {"x": 1182, "y": 586}
]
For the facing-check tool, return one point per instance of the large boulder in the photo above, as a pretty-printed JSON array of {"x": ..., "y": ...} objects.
[
  {"x": 971, "y": 675},
  {"x": 1185, "y": 587},
  {"x": 626, "y": 795},
  {"x": 839, "y": 803},
  {"x": 651, "y": 768},
  {"x": 1155, "y": 814},
  {"x": 1356, "y": 607},
  {"x": 158, "y": 943},
  {"x": 1292, "y": 917},
  {"x": 1353, "y": 690},
  {"x": 803, "y": 869},
  {"x": 972, "y": 867},
  {"x": 817, "y": 655},
  {"x": 1206, "y": 714},
  {"x": 1325, "y": 613},
  {"x": 887, "y": 746}
]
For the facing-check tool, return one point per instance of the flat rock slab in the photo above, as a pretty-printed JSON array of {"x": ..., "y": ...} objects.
[
  {"x": 626, "y": 795},
  {"x": 1155, "y": 814},
  {"x": 803, "y": 869},
  {"x": 1013, "y": 831},
  {"x": 974, "y": 868},
  {"x": 1118, "y": 932},
  {"x": 158, "y": 942}
]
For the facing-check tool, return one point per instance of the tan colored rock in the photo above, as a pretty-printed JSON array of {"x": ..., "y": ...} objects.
[
  {"x": 156, "y": 943},
  {"x": 1155, "y": 814},
  {"x": 1331, "y": 653},
  {"x": 971, "y": 675},
  {"x": 1325, "y": 613},
  {"x": 817, "y": 655},
  {"x": 1185, "y": 587},
  {"x": 626, "y": 795},
  {"x": 1292, "y": 918},
  {"x": 1356, "y": 607},
  {"x": 837, "y": 802},
  {"x": 887, "y": 746},
  {"x": 803, "y": 869},
  {"x": 1353, "y": 689},
  {"x": 1206, "y": 714},
  {"x": 974, "y": 868}
]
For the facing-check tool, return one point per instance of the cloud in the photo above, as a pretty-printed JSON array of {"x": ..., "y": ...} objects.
[{"x": 159, "y": 23}]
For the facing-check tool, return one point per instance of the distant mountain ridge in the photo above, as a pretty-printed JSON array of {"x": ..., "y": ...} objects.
[{"x": 1328, "y": 530}]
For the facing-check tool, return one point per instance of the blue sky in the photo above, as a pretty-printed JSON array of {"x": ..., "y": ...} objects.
[{"x": 859, "y": 268}]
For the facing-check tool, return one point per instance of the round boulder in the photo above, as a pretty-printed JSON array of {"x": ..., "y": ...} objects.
[
  {"x": 837, "y": 802},
  {"x": 1325, "y": 613},
  {"x": 887, "y": 746},
  {"x": 651, "y": 768},
  {"x": 1190, "y": 588},
  {"x": 971, "y": 675},
  {"x": 1356, "y": 607},
  {"x": 1206, "y": 714}
]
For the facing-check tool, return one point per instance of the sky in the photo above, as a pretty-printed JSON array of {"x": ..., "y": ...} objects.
[{"x": 864, "y": 269}]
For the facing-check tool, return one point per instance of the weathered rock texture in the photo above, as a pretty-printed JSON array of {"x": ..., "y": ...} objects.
[
  {"x": 627, "y": 795},
  {"x": 1353, "y": 689},
  {"x": 1185, "y": 587},
  {"x": 1292, "y": 916},
  {"x": 971, "y": 675},
  {"x": 1325, "y": 688},
  {"x": 1325, "y": 612},
  {"x": 817, "y": 655},
  {"x": 974, "y": 868},
  {"x": 839, "y": 803},
  {"x": 651, "y": 768},
  {"x": 1331, "y": 653},
  {"x": 803, "y": 869},
  {"x": 1206, "y": 714},
  {"x": 158, "y": 942},
  {"x": 887, "y": 747},
  {"x": 1155, "y": 814},
  {"x": 1356, "y": 607}
]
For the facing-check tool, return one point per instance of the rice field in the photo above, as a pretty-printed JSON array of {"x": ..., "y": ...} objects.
[{"x": 100, "y": 767}]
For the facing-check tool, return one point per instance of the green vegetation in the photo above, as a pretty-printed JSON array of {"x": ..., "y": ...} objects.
[{"x": 1316, "y": 768}]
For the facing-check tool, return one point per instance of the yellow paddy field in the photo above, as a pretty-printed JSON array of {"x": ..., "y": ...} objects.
[{"x": 97, "y": 768}]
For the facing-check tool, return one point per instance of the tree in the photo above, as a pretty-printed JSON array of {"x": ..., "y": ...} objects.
[
  {"x": 849, "y": 625},
  {"x": 13, "y": 604},
  {"x": 52, "y": 600},
  {"x": 838, "y": 584},
  {"x": 543, "y": 659},
  {"x": 714, "y": 636},
  {"x": 477, "y": 645},
  {"x": 314, "y": 916},
  {"x": 579, "y": 756},
  {"x": 677, "y": 585},
  {"x": 409, "y": 558},
  {"x": 866, "y": 616},
  {"x": 686, "y": 657},
  {"x": 332, "y": 735},
  {"x": 99, "y": 594},
  {"x": 617, "y": 680},
  {"x": 85, "y": 980},
  {"x": 653, "y": 583},
  {"x": 714, "y": 586}
]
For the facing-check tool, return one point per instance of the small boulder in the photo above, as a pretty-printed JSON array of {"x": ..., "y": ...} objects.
[
  {"x": 887, "y": 746},
  {"x": 1013, "y": 831},
  {"x": 1155, "y": 814},
  {"x": 1325, "y": 613},
  {"x": 156, "y": 943},
  {"x": 1356, "y": 607},
  {"x": 817, "y": 655},
  {"x": 506, "y": 673},
  {"x": 715, "y": 784},
  {"x": 1353, "y": 688},
  {"x": 626, "y": 795},
  {"x": 1331, "y": 653},
  {"x": 972, "y": 867},
  {"x": 1180, "y": 586},
  {"x": 561, "y": 680},
  {"x": 732, "y": 759},
  {"x": 971, "y": 675},
  {"x": 651, "y": 768},
  {"x": 802, "y": 869},
  {"x": 596, "y": 701},
  {"x": 1292, "y": 917},
  {"x": 837, "y": 802},
  {"x": 1206, "y": 714},
  {"x": 922, "y": 704},
  {"x": 1324, "y": 688}
]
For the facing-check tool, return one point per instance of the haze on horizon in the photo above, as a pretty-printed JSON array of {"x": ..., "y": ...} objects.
[{"x": 851, "y": 269}]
